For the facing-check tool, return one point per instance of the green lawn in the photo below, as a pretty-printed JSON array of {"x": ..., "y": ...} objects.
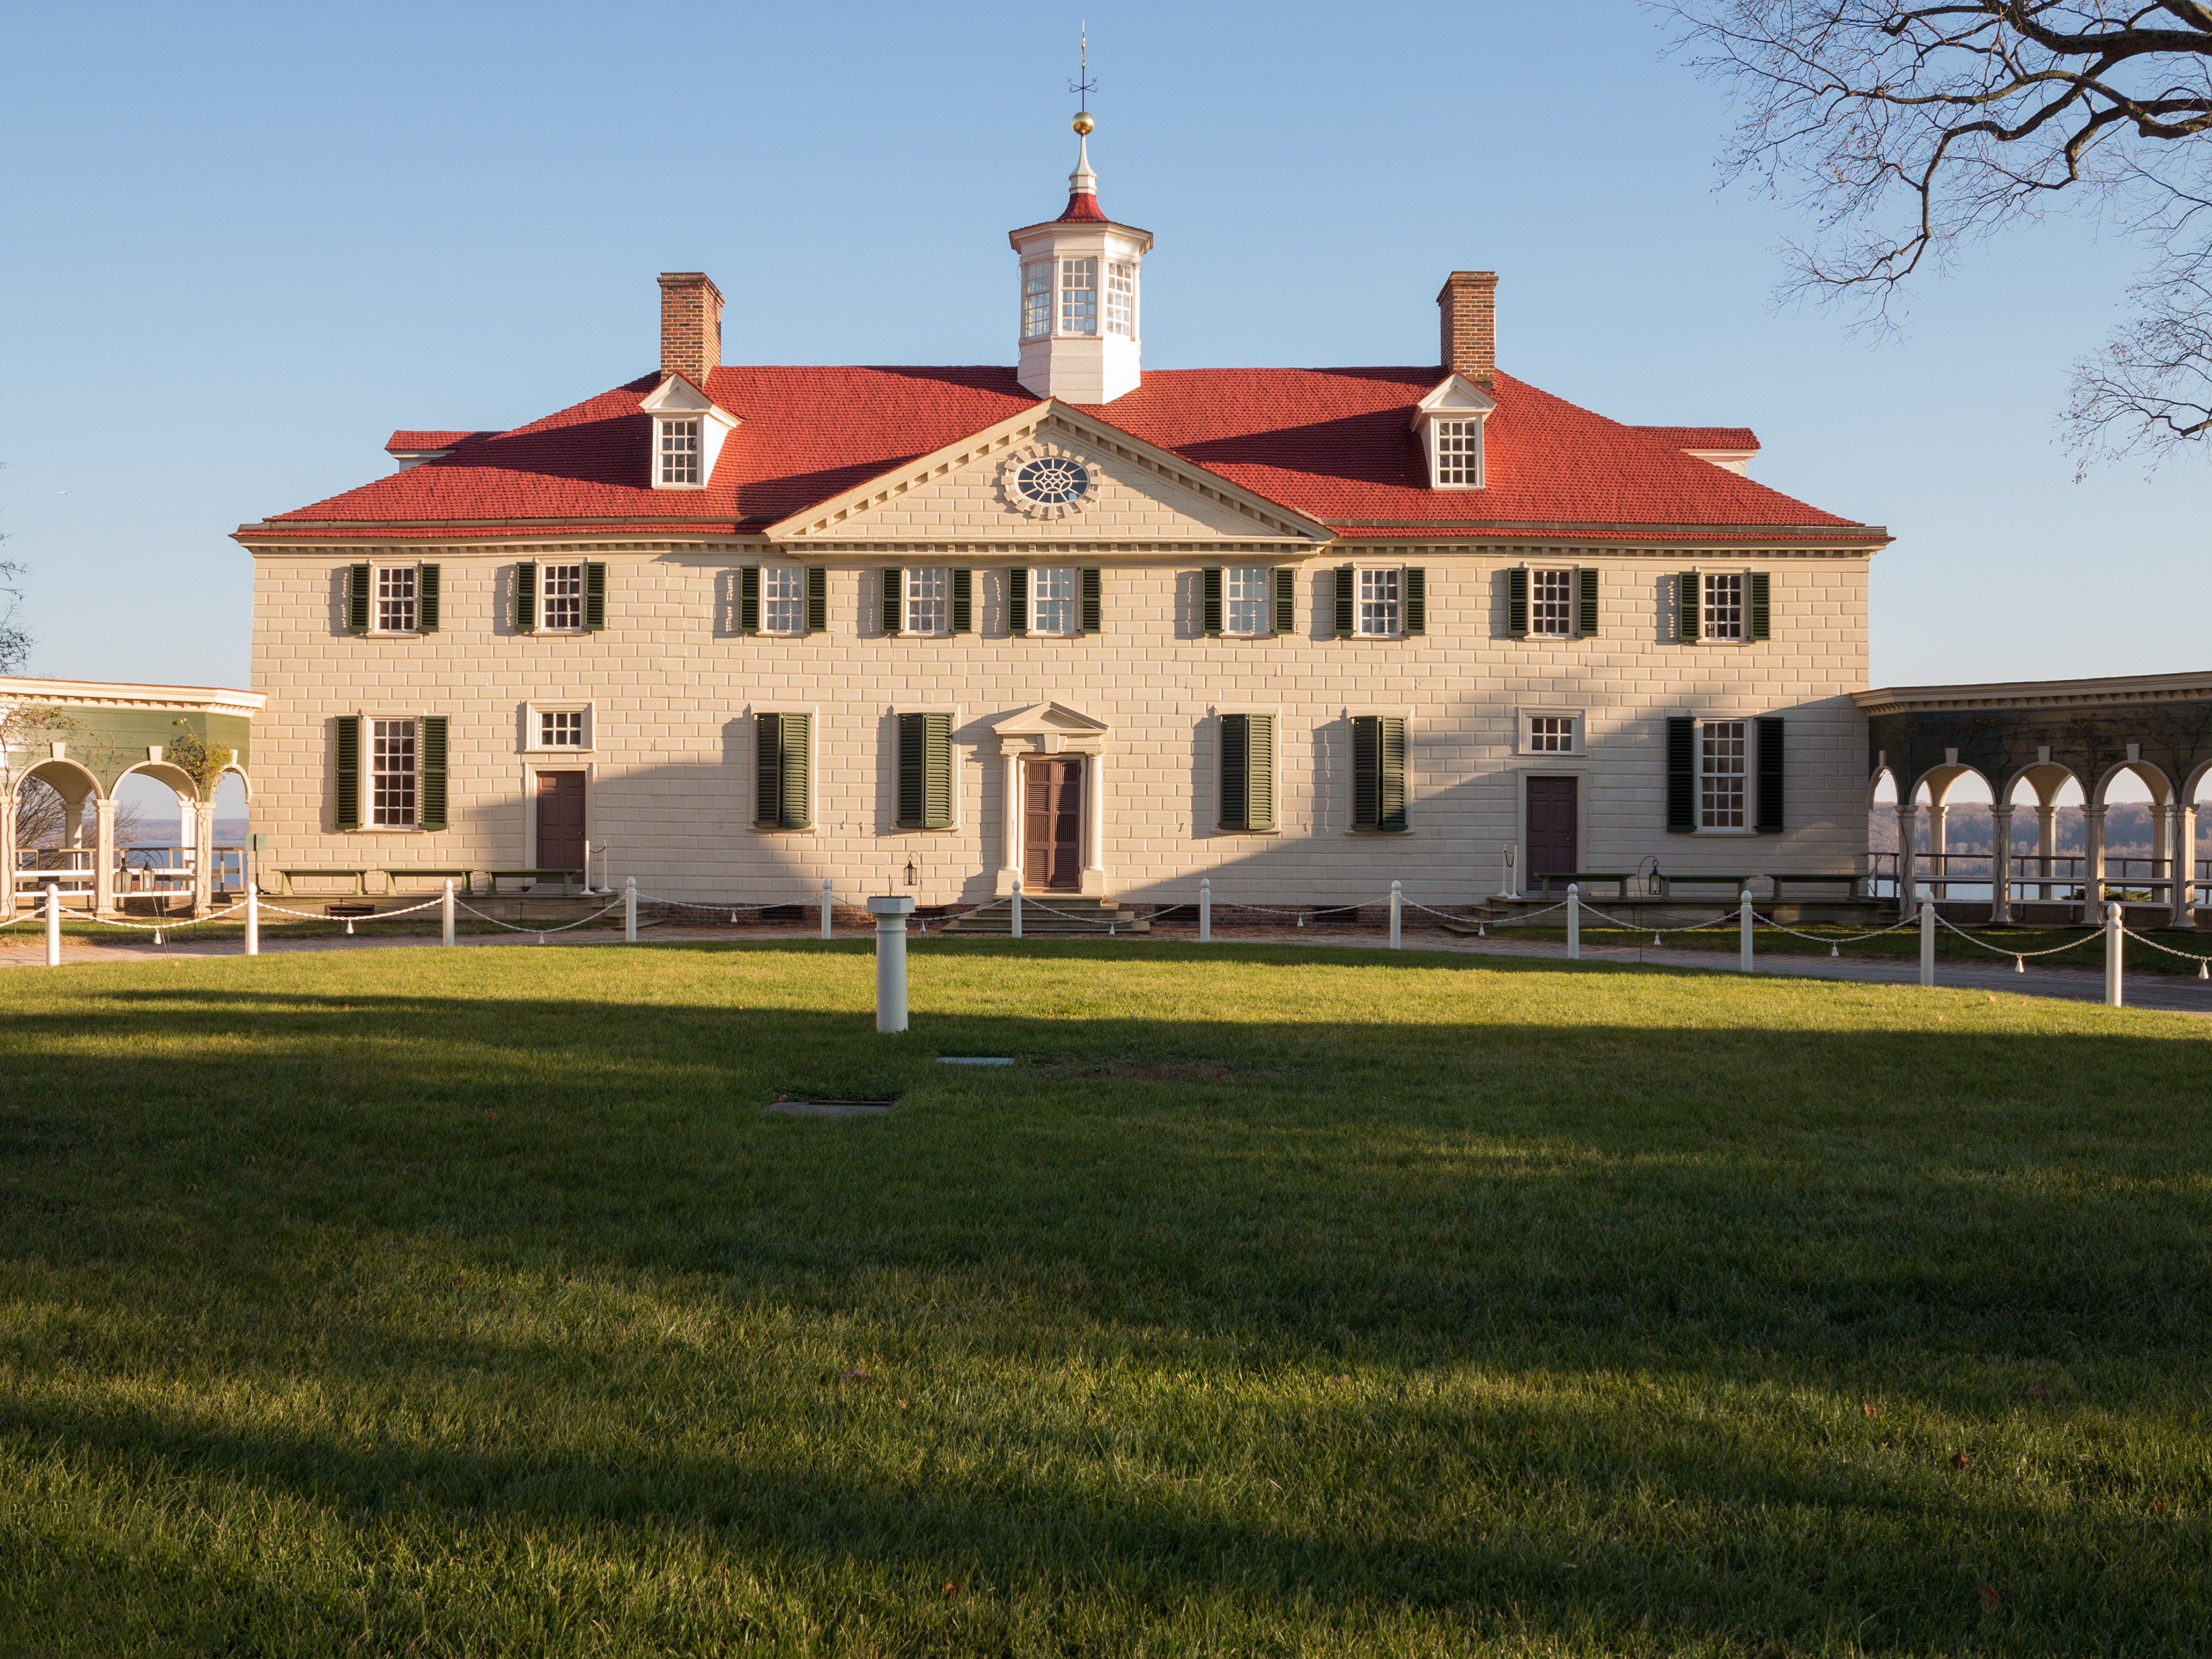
[{"x": 1284, "y": 1301}]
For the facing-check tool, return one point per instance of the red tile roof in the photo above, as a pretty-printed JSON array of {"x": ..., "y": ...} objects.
[
  {"x": 408, "y": 442},
  {"x": 1082, "y": 209},
  {"x": 1334, "y": 444},
  {"x": 1704, "y": 437}
]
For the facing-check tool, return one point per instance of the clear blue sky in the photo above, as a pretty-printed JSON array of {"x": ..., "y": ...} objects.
[{"x": 245, "y": 245}]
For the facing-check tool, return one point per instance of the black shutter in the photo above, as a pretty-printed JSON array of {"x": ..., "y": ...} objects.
[
  {"x": 426, "y": 598},
  {"x": 1087, "y": 584},
  {"x": 358, "y": 578},
  {"x": 431, "y": 811},
  {"x": 1516, "y": 602},
  {"x": 1235, "y": 771},
  {"x": 937, "y": 772},
  {"x": 1286, "y": 600},
  {"x": 1586, "y": 602},
  {"x": 768, "y": 771},
  {"x": 526, "y": 598},
  {"x": 1681, "y": 773},
  {"x": 1394, "y": 774},
  {"x": 1260, "y": 772},
  {"x": 1344, "y": 602},
  {"x": 964, "y": 601},
  {"x": 913, "y": 768},
  {"x": 887, "y": 586},
  {"x": 1017, "y": 599},
  {"x": 1762, "y": 610},
  {"x": 595, "y": 597},
  {"x": 1416, "y": 591},
  {"x": 749, "y": 598},
  {"x": 1209, "y": 598},
  {"x": 1689, "y": 600},
  {"x": 817, "y": 598},
  {"x": 798, "y": 802},
  {"x": 1770, "y": 775},
  {"x": 347, "y": 766}
]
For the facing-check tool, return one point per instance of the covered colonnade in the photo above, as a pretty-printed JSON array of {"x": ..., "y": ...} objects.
[
  {"x": 2036, "y": 738},
  {"x": 83, "y": 738}
]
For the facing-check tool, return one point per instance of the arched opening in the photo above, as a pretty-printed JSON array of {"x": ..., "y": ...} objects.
[
  {"x": 56, "y": 829},
  {"x": 156, "y": 831},
  {"x": 233, "y": 823},
  {"x": 1881, "y": 836},
  {"x": 1957, "y": 834},
  {"x": 2138, "y": 836}
]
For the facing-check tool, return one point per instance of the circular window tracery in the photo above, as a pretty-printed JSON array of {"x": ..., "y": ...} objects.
[{"x": 1052, "y": 481}]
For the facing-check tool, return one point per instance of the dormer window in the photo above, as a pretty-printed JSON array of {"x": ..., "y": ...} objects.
[
  {"x": 1121, "y": 298},
  {"x": 1459, "y": 454},
  {"x": 680, "y": 453},
  {"x": 1078, "y": 296},
  {"x": 1451, "y": 421}
]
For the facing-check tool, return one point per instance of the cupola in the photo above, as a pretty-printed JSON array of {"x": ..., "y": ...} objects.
[{"x": 1081, "y": 294}]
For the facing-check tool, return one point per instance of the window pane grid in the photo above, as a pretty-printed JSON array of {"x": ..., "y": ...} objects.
[
  {"x": 1551, "y": 734},
  {"x": 1723, "y": 750},
  {"x": 1036, "y": 300},
  {"x": 1078, "y": 296},
  {"x": 563, "y": 595},
  {"x": 785, "y": 599},
  {"x": 1121, "y": 298},
  {"x": 1723, "y": 607},
  {"x": 1249, "y": 599},
  {"x": 393, "y": 778},
  {"x": 928, "y": 607},
  {"x": 1551, "y": 602},
  {"x": 1051, "y": 601},
  {"x": 1459, "y": 454},
  {"x": 1378, "y": 601},
  {"x": 679, "y": 452},
  {"x": 561, "y": 728},
  {"x": 395, "y": 600}
]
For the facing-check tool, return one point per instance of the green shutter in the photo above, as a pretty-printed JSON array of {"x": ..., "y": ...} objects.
[
  {"x": 1366, "y": 772},
  {"x": 964, "y": 601},
  {"x": 1681, "y": 773},
  {"x": 431, "y": 810},
  {"x": 749, "y": 598},
  {"x": 1394, "y": 773},
  {"x": 526, "y": 598},
  {"x": 1017, "y": 599},
  {"x": 1516, "y": 602},
  {"x": 1770, "y": 775},
  {"x": 913, "y": 768},
  {"x": 595, "y": 597},
  {"x": 817, "y": 598},
  {"x": 1344, "y": 602},
  {"x": 426, "y": 598},
  {"x": 797, "y": 801},
  {"x": 1586, "y": 602},
  {"x": 1286, "y": 600},
  {"x": 937, "y": 772},
  {"x": 1236, "y": 771},
  {"x": 768, "y": 771},
  {"x": 1689, "y": 602},
  {"x": 1260, "y": 773},
  {"x": 1209, "y": 604},
  {"x": 1087, "y": 583},
  {"x": 1415, "y": 589},
  {"x": 887, "y": 588},
  {"x": 358, "y": 578},
  {"x": 1762, "y": 608},
  {"x": 347, "y": 766}
]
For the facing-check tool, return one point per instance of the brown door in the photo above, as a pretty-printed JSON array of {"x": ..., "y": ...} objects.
[
  {"x": 560, "y": 821},
  {"x": 1052, "y": 838},
  {"x": 1552, "y": 846}
]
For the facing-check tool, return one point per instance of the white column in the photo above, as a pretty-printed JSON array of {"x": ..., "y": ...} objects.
[
  {"x": 1908, "y": 857},
  {"x": 2000, "y": 865},
  {"x": 1938, "y": 827},
  {"x": 1094, "y": 827},
  {"x": 9, "y": 784},
  {"x": 2181, "y": 840},
  {"x": 1010, "y": 837},
  {"x": 2046, "y": 842},
  {"x": 103, "y": 856},
  {"x": 890, "y": 913},
  {"x": 2092, "y": 864}
]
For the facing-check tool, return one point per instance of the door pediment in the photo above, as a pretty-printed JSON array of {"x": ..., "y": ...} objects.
[{"x": 1048, "y": 728}]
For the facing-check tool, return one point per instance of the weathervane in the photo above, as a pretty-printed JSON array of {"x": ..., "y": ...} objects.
[{"x": 1083, "y": 86}]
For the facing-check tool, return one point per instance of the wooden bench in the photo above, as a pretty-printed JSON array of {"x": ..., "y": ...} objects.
[
  {"x": 1583, "y": 879},
  {"x": 1836, "y": 886},
  {"x": 465, "y": 881},
  {"x": 358, "y": 877},
  {"x": 1701, "y": 879},
  {"x": 567, "y": 878}
]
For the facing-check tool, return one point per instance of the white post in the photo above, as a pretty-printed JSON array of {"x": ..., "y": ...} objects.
[
  {"x": 446, "y": 912},
  {"x": 2115, "y": 942},
  {"x": 53, "y": 925},
  {"x": 1015, "y": 908},
  {"x": 1205, "y": 910},
  {"x": 1397, "y": 902},
  {"x": 827, "y": 901},
  {"x": 629, "y": 910},
  {"x": 587, "y": 867},
  {"x": 1505, "y": 874},
  {"x": 1743, "y": 933},
  {"x": 890, "y": 913},
  {"x": 1574, "y": 922},
  {"x": 252, "y": 919},
  {"x": 1927, "y": 942}
]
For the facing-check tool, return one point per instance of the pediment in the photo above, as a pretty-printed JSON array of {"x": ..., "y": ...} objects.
[
  {"x": 970, "y": 492},
  {"x": 676, "y": 396},
  {"x": 1047, "y": 719},
  {"x": 1456, "y": 397}
]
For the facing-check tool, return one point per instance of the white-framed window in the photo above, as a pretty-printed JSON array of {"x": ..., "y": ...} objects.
[
  {"x": 1379, "y": 609},
  {"x": 1724, "y": 617},
  {"x": 1459, "y": 454},
  {"x": 1554, "y": 734},
  {"x": 560, "y": 728},
  {"x": 1121, "y": 298},
  {"x": 393, "y": 773},
  {"x": 1248, "y": 600},
  {"x": 1078, "y": 296},
  {"x": 783, "y": 599},
  {"x": 679, "y": 451},
  {"x": 1036, "y": 299},
  {"x": 929, "y": 600},
  {"x": 1551, "y": 602},
  {"x": 395, "y": 599},
  {"x": 1723, "y": 768},
  {"x": 1051, "y": 600},
  {"x": 560, "y": 598}
]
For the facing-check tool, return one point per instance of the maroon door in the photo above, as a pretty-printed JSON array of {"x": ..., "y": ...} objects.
[
  {"x": 1551, "y": 846},
  {"x": 1052, "y": 838},
  {"x": 560, "y": 821}
]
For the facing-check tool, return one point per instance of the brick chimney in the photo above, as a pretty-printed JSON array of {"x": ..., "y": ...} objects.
[
  {"x": 1468, "y": 303},
  {"x": 690, "y": 325}
]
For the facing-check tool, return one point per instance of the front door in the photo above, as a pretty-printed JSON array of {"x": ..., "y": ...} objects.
[
  {"x": 1052, "y": 836},
  {"x": 560, "y": 821},
  {"x": 1551, "y": 844}
]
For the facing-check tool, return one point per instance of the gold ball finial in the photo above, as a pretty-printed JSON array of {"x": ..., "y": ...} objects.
[{"x": 1084, "y": 123}]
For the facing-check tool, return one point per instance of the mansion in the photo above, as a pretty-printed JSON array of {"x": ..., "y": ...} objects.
[{"x": 743, "y": 628}]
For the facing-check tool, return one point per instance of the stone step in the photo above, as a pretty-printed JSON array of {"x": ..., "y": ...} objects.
[{"x": 1080, "y": 918}]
